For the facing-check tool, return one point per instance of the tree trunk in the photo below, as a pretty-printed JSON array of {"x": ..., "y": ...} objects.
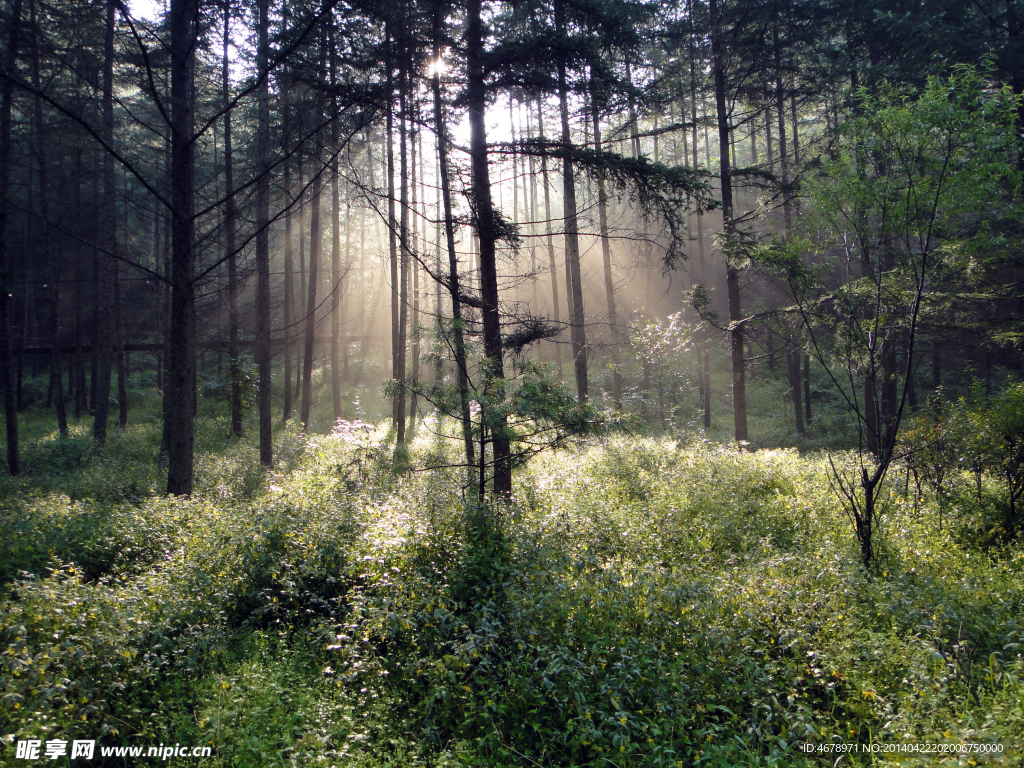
[
  {"x": 531, "y": 174},
  {"x": 807, "y": 390},
  {"x": 702, "y": 356},
  {"x": 780, "y": 108},
  {"x": 165, "y": 310},
  {"x": 890, "y": 389},
  {"x": 476, "y": 99},
  {"x": 396, "y": 414},
  {"x": 158, "y": 260},
  {"x": 79, "y": 359},
  {"x": 552, "y": 268},
  {"x": 793, "y": 360},
  {"x": 234, "y": 369},
  {"x": 104, "y": 354},
  {"x": 336, "y": 273},
  {"x": 52, "y": 266},
  {"x": 606, "y": 253},
  {"x": 6, "y": 361},
  {"x": 299, "y": 308},
  {"x": 315, "y": 242},
  {"x": 95, "y": 276},
  {"x": 438, "y": 373},
  {"x": 263, "y": 236},
  {"x": 289, "y": 238},
  {"x": 416, "y": 178},
  {"x": 181, "y": 352},
  {"x": 739, "y": 385},
  {"x": 871, "y": 412},
  {"x": 572, "y": 242},
  {"x": 404, "y": 100},
  {"x": 461, "y": 370},
  {"x": 120, "y": 357},
  {"x": 364, "y": 342}
]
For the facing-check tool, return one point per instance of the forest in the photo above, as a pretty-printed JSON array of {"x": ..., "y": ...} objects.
[{"x": 603, "y": 383}]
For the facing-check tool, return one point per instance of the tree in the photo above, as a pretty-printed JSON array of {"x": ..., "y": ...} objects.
[
  {"x": 457, "y": 330},
  {"x": 181, "y": 348},
  {"x": 263, "y": 237},
  {"x": 6, "y": 360},
  {"x": 229, "y": 237},
  {"x": 315, "y": 244},
  {"x": 894, "y": 219},
  {"x": 572, "y": 242},
  {"x": 487, "y": 232},
  {"x": 104, "y": 331}
]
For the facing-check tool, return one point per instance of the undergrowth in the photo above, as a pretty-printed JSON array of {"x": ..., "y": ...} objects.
[{"x": 640, "y": 602}]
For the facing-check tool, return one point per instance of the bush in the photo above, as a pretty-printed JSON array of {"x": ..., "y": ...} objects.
[{"x": 641, "y": 602}]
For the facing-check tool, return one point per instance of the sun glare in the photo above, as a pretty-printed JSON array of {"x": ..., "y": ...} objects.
[{"x": 437, "y": 67}]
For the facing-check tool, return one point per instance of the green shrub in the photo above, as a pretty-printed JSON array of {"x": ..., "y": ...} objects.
[{"x": 641, "y": 602}]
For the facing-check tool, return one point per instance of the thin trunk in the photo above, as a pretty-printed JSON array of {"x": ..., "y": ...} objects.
[
  {"x": 807, "y": 390},
  {"x": 702, "y": 264},
  {"x": 890, "y": 389},
  {"x": 793, "y": 360},
  {"x": 606, "y": 253},
  {"x": 336, "y": 290},
  {"x": 108, "y": 243},
  {"x": 80, "y": 389},
  {"x": 702, "y": 260},
  {"x": 415, "y": 351},
  {"x": 572, "y": 242},
  {"x": 462, "y": 372},
  {"x": 165, "y": 309},
  {"x": 707, "y": 387},
  {"x": 552, "y": 268},
  {"x": 263, "y": 237},
  {"x": 6, "y": 361},
  {"x": 780, "y": 108},
  {"x": 871, "y": 415},
  {"x": 438, "y": 266},
  {"x": 289, "y": 259},
  {"x": 739, "y": 385},
  {"x": 416, "y": 178},
  {"x": 315, "y": 242},
  {"x": 532, "y": 176},
  {"x": 476, "y": 98},
  {"x": 515, "y": 162},
  {"x": 396, "y": 417},
  {"x": 796, "y": 132},
  {"x": 300, "y": 308},
  {"x": 403, "y": 248},
  {"x": 158, "y": 258},
  {"x": 52, "y": 267},
  {"x": 235, "y": 372},
  {"x": 364, "y": 343},
  {"x": 701, "y": 394},
  {"x": 336, "y": 273},
  {"x": 120, "y": 356},
  {"x": 181, "y": 362}
]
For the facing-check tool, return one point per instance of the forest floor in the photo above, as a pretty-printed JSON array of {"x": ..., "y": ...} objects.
[{"x": 643, "y": 602}]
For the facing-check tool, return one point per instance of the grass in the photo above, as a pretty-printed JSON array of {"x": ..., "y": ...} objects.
[{"x": 643, "y": 602}]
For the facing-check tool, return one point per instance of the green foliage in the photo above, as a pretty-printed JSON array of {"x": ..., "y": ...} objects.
[
  {"x": 217, "y": 388},
  {"x": 639, "y": 602},
  {"x": 661, "y": 191},
  {"x": 528, "y": 407},
  {"x": 899, "y": 218}
]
